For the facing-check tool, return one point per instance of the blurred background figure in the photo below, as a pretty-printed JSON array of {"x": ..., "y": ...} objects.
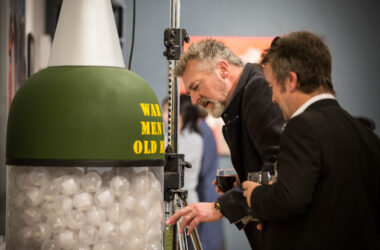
[
  {"x": 211, "y": 234},
  {"x": 190, "y": 143},
  {"x": 196, "y": 140}
]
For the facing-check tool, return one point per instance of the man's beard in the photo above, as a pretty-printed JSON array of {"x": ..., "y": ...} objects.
[{"x": 218, "y": 108}]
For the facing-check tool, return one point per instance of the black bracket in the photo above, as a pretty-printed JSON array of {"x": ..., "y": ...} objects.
[
  {"x": 174, "y": 174},
  {"x": 173, "y": 41}
]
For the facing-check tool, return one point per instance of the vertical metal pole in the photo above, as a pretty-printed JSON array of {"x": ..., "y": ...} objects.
[
  {"x": 173, "y": 97},
  {"x": 171, "y": 237},
  {"x": 171, "y": 233}
]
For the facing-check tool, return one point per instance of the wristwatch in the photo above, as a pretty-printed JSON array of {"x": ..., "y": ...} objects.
[{"x": 217, "y": 206}]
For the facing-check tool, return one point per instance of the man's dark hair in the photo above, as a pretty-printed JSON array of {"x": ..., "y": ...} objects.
[{"x": 305, "y": 54}]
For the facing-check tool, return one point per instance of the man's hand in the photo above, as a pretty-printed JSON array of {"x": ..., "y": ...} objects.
[
  {"x": 248, "y": 187},
  {"x": 194, "y": 214},
  {"x": 217, "y": 189},
  {"x": 220, "y": 192}
]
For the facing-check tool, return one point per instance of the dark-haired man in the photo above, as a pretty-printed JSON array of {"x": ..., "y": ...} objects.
[{"x": 327, "y": 195}]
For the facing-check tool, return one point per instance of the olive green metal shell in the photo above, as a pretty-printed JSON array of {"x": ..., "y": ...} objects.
[{"x": 79, "y": 114}]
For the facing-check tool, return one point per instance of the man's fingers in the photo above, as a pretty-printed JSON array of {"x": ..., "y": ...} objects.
[
  {"x": 183, "y": 225},
  {"x": 192, "y": 225},
  {"x": 245, "y": 193},
  {"x": 217, "y": 189},
  {"x": 175, "y": 217},
  {"x": 186, "y": 221},
  {"x": 245, "y": 185},
  {"x": 214, "y": 182}
]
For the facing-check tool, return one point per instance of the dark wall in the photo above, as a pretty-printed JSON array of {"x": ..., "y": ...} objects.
[{"x": 350, "y": 29}]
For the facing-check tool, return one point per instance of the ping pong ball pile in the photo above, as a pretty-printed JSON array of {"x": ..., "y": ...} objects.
[{"x": 65, "y": 208}]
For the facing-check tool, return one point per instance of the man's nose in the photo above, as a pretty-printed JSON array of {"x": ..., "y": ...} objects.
[
  {"x": 195, "y": 98},
  {"x": 273, "y": 99}
]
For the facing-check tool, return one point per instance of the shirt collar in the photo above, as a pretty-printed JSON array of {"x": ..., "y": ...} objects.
[{"x": 311, "y": 101}]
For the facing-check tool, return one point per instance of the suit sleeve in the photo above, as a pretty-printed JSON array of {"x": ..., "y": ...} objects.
[
  {"x": 263, "y": 119},
  {"x": 299, "y": 168},
  {"x": 234, "y": 206}
]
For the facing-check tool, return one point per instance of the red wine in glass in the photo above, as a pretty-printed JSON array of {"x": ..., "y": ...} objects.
[{"x": 225, "y": 183}]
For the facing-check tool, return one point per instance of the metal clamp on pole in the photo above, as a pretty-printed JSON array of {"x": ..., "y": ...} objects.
[
  {"x": 174, "y": 174},
  {"x": 174, "y": 40}
]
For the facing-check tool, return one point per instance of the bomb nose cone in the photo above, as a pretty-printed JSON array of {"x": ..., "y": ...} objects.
[{"x": 86, "y": 35}]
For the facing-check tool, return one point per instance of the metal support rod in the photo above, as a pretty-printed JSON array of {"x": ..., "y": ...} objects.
[
  {"x": 173, "y": 95},
  {"x": 175, "y": 197},
  {"x": 174, "y": 13}
]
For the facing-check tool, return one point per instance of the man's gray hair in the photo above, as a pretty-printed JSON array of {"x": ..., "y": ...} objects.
[{"x": 207, "y": 52}]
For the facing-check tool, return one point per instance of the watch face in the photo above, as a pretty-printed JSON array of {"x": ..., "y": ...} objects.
[{"x": 217, "y": 206}]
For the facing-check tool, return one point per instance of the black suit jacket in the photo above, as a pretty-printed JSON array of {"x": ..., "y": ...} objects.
[{"x": 328, "y": 191}]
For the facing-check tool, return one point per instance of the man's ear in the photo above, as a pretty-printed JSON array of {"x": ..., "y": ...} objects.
[
  {"x": 224, "y": 68},
  {"x": 292, "y": 81}
]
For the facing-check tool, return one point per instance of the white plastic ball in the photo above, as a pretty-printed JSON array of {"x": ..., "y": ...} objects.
[
  {"x": 82, "y": 201},
  {"x": 143, "y": 205},
  {"x": 141, "y": 225},
  {"x": 141, "y": 183},
  {"x": 50, "y": 245},
  {"x": 119, "y": 185},
  {"x": 129, "y": 202},
  {"x": 120, "y": 244},
  {"x": 57, "y": 173},
  {"x": 104, "y": 197},
  {"x": 126, "y": 227},
  {"x": 50, "y": 189},
  {"x": 155, "y": 184},
  {"x": 66, "y": 239},
  {"x": 76, "y": 219},
  {"x": 135, "y": 241},
  {"x": 96, "y": 216},
  {"x": 77, "y": 172},
  {"x": 23, "y": 181},
  {"x": 91, "y": 181},
  {"x": 47, "y": 209},
  {"x": 102, "y": 246},
  {"x": 33, "y": 196},
  {"x": 155, "y": 214},
  {"x": 56, "y": 223},
  {"x": 106, "y": 177},
  {"x": 38, "y": 175},
  {"x": 62, "y": 204},
  {"x": 19, "y": 200},
  {"x": 25, "y": 235},
  {"x": 41, "y": 232},
  {"x": 82, "y": 247},
  {"x": 108, "y": 231},
  {"x": 70, "y": 185},
  {"x": 88, "y": 235},
  {"x": 31, "y": 215},
  {"x": 157, "y": 245},
  {"x": 116, "y": 213},
  {"x": 153, "y": 234}
]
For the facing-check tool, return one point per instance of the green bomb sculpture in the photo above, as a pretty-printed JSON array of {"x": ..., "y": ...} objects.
[{"x": 85, "y": 145}]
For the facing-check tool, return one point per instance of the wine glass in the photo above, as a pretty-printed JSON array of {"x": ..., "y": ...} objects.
[
  {"x": 225, "y": 179},
  {"x": 263, "y": 177}
]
